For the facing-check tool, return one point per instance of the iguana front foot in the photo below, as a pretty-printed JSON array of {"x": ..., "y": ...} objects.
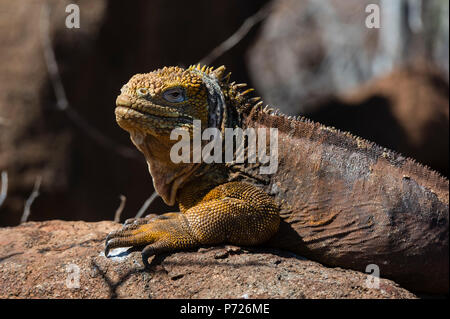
[
  {"x": 236, "y": 213},
  {"x": 158, "y": 234}
]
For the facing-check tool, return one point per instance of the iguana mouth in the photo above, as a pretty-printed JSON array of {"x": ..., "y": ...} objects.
[
  {"x": 130, "y": 113},
  {"x": 126, "y": 110}
]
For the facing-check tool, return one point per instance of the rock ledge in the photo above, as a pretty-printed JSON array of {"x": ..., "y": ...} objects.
[{"x": 42, "y": 259}]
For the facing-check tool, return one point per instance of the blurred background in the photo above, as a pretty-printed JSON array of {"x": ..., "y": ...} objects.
[{"x": 318, "y": 58}]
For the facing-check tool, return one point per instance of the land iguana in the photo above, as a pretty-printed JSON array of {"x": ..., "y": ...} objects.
[{"x": 335, "y": 198}]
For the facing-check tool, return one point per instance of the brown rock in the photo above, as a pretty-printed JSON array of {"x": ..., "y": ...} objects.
[{"x": 38, "y": 259}]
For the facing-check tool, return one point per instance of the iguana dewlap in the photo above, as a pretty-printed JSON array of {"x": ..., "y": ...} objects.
[{"x": 334, "y": 198}]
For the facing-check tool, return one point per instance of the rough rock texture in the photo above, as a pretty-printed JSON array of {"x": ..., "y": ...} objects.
[{"x": 37, "y": 260}]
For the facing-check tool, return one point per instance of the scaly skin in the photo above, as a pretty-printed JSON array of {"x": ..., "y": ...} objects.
[
  {"x": 343, "y": 201},
  {"x": 234, "y": 212}
]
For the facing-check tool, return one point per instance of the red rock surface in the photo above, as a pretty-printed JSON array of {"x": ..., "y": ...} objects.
[{"x": 34, "y": 261}]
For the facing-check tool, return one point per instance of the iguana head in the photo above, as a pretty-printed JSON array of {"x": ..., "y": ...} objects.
[
  {"x": 159, "y": 101},
  {"x": 151, "y": 105}
]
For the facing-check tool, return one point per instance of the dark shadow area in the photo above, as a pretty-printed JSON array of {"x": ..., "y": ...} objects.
[{"x": 113, "y": 286}]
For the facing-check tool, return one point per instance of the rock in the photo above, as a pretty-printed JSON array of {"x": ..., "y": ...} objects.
[{"x": 42, "y": 260}]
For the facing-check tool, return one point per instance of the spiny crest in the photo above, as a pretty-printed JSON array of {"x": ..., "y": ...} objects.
[
  {"x": 160, "y": 77},
  {"x": 390, "y": 155},
  {"x": 236, "y": 91},
  {"x": 217, "y": 72}
]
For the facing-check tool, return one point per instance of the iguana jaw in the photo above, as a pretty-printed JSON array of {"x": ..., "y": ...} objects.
[
  {"x": 148, "y": 118},
  {"x": 150, "y": 134}
]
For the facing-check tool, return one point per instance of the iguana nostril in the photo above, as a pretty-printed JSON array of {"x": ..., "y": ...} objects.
[{"x": 123, "y": 100}]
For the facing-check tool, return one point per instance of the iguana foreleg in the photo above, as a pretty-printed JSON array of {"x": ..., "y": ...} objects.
[{"x": 238, "y": 213}]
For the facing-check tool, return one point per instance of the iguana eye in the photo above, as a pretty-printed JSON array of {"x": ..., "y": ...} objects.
[
  {"x": 174, "y": 95},
  {"x": 142, "y": 92}
]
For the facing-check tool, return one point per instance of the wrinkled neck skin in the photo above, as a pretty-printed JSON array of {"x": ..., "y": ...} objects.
[{"x": 167, "y": 176}]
